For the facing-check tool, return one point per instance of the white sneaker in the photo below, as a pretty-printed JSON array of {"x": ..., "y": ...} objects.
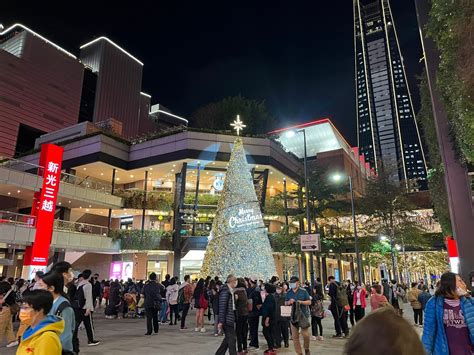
[
  {"x": 313, "y": 338},
  {"x": 203, "y": 330},
  {"x": 196, "y": 329},
  {"x": 12, "y": 344},
  {"x": 320, "y": 338}
]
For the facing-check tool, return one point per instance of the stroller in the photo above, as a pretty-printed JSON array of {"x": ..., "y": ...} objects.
[{"x": 131, "y": 303}]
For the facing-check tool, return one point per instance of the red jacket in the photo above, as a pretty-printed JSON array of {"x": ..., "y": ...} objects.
[{"x": 362, "y": 297}]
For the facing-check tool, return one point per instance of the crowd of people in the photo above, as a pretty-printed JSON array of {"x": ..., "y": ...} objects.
[{"x": 54, "y": 306}]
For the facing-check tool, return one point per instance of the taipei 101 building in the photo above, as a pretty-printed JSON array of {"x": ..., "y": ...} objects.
[{"x": 388, "y": 135}]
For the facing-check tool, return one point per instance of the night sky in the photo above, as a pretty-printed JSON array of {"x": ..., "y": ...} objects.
[{"x": 298, "y": 56}]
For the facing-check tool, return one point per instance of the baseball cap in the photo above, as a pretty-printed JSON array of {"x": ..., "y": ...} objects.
[{"x": 294, "y": 279}]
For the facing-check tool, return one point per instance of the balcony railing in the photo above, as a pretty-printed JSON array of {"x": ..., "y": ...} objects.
[
  {"x": 77, "y": 227},
  {"x": 85, "y": 182},
  {"x": 17, "y": 218},
  {"x": 59, "y": 225}
]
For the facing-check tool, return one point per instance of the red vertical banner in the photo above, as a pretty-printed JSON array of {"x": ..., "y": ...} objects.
[{"x": 44, "y": 207}]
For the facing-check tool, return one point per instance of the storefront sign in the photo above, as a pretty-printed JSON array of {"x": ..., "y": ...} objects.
[
  {"x": 121, "y": 270},
  {"x": 44, "y": 207}
]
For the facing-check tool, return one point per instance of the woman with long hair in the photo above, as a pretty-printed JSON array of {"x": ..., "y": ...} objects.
[
  {"x": 449, "y": 319},
  {"x": 201, "y": 302}
]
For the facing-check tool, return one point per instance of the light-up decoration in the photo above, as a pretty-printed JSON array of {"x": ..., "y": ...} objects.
[
  {"x": 453, "y": 254},
  {"x": 218, "y": 183},
  {"x": 39, "y": 36},
  {"x": 112, "y": 43},
  {"x": 238, "y": 125}
]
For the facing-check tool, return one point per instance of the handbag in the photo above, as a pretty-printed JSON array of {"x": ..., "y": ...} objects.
[{"x": 298, "y": 318}]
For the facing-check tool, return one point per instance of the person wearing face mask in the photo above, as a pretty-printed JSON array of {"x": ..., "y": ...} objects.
[
  {"x": 298, "y": 297},
  {"x": 65, "y": 270},
  {"x": 42, "y": 335},
  {"x": 226, "y": 320},
  {"x": 254, "y": 304},
  {"x": 358, "y": 301},
  {"x": 282, "y": 324},
  {"x": 6, "y": 326},
  {"x": 242, "y": 312},
  {"x": 54, "y": 283},
  {"x": 449, "y": 319}
]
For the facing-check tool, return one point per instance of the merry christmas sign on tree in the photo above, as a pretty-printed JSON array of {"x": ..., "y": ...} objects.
[{"x": 238, "y": 242}]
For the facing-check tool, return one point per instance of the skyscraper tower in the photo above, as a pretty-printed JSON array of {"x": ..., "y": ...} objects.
[{"x": 388, "y": 135}]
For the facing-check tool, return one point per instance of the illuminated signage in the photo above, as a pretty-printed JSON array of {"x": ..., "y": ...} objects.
[
  {"x": 245, "y": 217},
  {"x": 44, "y": 207},
  {"x": 218, "y": 183}
]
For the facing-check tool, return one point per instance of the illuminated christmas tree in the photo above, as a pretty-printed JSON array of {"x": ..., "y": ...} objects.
[{"x": 238, "y": 242}]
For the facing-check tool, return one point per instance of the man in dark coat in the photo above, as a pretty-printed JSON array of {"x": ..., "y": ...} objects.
[
  {"x": 226, "y": 319},
  {"x": 152, "y": 303}
]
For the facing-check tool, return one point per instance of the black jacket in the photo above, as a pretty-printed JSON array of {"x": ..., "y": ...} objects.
[
  {"x": 226, "y": 304},
  {"x": 151, "y": 292},
  {"x": 269, "y": 308},
  {"x": 254, "y": 294}
]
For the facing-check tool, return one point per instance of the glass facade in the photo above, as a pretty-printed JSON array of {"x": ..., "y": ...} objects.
[{"x": 387, "y": 132}]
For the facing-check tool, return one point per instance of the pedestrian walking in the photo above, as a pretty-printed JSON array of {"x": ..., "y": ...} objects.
[
  {"x": 226, "y": 322},
  {"x": 377, "y": 299},
  {"x": 300, "y": 301},
  {"x": 201, "y": 303},
  {"x": 268, "y": 317},
  {"x": 349, "y": 290},
  {"x": 359, "y": 301},
  {"x": 172, "y": 299},
  {"x": 83, "y": 308},
  {"x": 151, "y": 293},
  {"x": 255, "y": 304},
  {"x": 397, "y": 296},
  {"x": 185, "y": 295},
  {"x": 424, "y": 297},
  {"x": 339, "y": 303},
  {"x": 412, "y": 295},
  {"x": 242, "y": 312},
  {"x": 449, "y": 319},
  {"x": 282, "y": 322},
  {"x": 6, "y": 325},
  {"x": 54, "y": 283},
  {"x": 317, "y": 314},
  {"x": 41, "y": 336}
]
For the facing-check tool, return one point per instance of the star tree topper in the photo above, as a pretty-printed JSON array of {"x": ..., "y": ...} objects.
[{"x": 238, "y": 125}]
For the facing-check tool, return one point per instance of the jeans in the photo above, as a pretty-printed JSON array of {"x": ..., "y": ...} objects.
[
  {"x": 164, "y": 307},
  {"x": 340, "y": 320},
  {"x": 242, "y": 333},
  {"x": 295, "y": 335},
  {"x": 253, "y": 327},
  {"x": 315, "y": 325},
  {"x": 359, "y": 313},
  {"x": 151, "y": 317},
  {"x": 281, "y": 332},
  {"x": 174, "y": 309},
  {"x": 228, "y": 342},
  {"x": 418, "y": 315},
  {"x": 184, "y": 314}
]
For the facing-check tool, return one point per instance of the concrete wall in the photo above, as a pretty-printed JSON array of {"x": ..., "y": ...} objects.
[{"x": 98, "y": 263}]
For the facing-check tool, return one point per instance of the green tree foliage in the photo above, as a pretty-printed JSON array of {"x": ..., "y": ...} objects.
[
  {"x": 219, "y": 115},
  {"x": 390, "y": 213},
  {"x": 436, "y": 183},
  {"x": 451, "y": 25}
]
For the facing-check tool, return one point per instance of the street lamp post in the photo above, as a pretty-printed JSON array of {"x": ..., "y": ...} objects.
[
  {"x": 360, "y": 274},
  {"x": 308, "y": 214}
]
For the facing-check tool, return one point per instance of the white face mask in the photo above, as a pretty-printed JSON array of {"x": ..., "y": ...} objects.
[{"x": 460, "y": 291}]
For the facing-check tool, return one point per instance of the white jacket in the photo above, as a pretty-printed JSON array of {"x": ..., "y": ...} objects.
[{"x": 172, "y": 294}]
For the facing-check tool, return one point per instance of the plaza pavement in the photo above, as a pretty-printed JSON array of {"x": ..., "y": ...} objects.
[{"x": 126, "y": 336}]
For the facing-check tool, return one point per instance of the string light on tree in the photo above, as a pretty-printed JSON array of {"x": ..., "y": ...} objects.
[{"x": 238, "y": 125}]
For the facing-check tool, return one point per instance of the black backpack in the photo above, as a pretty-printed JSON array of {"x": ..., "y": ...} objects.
[
  {"x": 79, "y": 300},
  {"x": 64, "y": 304}
]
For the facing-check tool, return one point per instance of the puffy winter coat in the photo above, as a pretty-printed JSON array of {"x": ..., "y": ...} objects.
[{"x": 434, "y": 336}]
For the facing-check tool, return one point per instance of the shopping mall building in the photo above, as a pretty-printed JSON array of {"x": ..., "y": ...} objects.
[{"x": 128, "y": 206}]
